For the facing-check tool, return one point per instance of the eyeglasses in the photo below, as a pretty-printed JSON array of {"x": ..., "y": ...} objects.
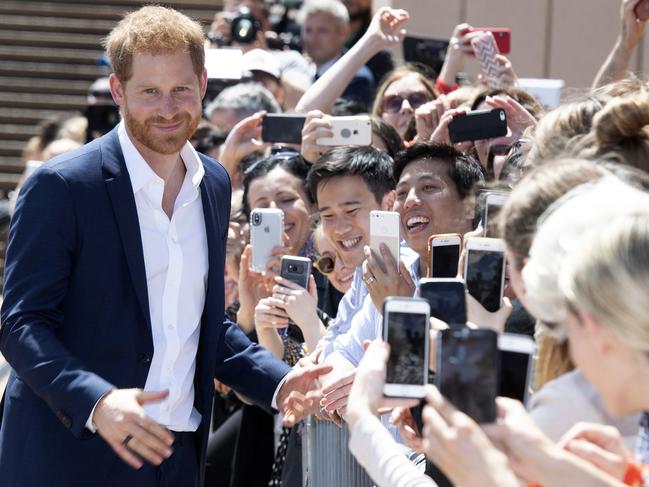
[
  {"x": 325, "y": 263},
  {"x": 393, "y": 103}
]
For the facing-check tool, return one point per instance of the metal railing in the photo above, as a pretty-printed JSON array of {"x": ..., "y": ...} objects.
[{"x": 326, "y": 459}]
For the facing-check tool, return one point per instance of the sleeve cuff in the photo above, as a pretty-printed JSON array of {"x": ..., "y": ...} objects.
[{"x": 273, "y": 403}]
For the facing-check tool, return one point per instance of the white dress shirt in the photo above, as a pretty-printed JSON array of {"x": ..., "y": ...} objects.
[{"x": 176, "y": 265}]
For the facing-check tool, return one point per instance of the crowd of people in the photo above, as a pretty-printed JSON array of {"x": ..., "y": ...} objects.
[{"x": 574, "y": 226}]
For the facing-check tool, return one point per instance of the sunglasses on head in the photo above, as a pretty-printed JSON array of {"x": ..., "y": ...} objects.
[
  {"x": 325, "y": 263},
  {"x": 393, "y": 103}
]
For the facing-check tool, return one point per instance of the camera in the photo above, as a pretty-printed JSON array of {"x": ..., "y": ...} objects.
[
  {"x": 256, "y": 219},
  {"x": 244, "y": 26},
  {"x": 295, "y": 268}
]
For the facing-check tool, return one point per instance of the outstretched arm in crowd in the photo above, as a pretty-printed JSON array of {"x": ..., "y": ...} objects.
[
  {"x": 617, "y": 63},
  {"x": 384, "y": 31}
]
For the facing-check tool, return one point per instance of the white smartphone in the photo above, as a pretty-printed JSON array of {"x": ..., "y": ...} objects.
[
  {"x": 405, "y": 328},
  {"x": 444, "y": 251},
  {"x": 266, "y": 232},
  {"x": 484, "y": 271},
  {"x": 384, "y": 228},
  {"x": 494, "y": 201},
  {"x": 516, "y": 365},
  {"x": 356, "y": 130}
]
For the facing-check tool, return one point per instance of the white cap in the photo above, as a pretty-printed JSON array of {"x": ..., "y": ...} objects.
[{"x": 261, "y": 60}]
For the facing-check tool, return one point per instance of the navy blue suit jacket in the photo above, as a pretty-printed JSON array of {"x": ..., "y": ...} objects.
[{"x": 76, "y": 321}]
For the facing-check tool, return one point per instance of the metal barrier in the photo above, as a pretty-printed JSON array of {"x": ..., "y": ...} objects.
[{"x": 326, "y": 460}]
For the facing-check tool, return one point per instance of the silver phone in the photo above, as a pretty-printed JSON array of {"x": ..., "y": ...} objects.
[
  {"x": 266, "y": 232},
  {"x": 384, "y": 228}
]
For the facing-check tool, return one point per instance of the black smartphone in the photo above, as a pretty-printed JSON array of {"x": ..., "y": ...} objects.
[
  {"x": 484, "y": 271},
  {"x": 444, "y": 251},
  {"x": 467, "y": 371},
  {"x": 279, "y": 127},
  {"x": 405, "y": 328},
  {"x": 516, "y": 365},
  {"x": 296, "y": 270},
  {"x": 447, "y": 300},
  {"x": 478, "y": 125}
]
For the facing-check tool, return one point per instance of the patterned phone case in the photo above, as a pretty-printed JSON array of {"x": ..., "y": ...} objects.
[{"x": 485, "y": 49}]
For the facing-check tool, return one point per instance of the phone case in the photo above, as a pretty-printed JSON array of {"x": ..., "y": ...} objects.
[
  {"x": 478, "y": 125},
  {"x": 384, "y": 228},
  {"x": 296, "y": 270},
  {"x": 485, "y": 49},
  {"x": 349, "y": 131},
  {"x": 266, "y": 232},
  {"x": 502, "y": 36}
]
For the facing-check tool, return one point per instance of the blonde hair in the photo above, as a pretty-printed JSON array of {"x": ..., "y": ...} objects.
[
  {"x": 560, "y": 129},
  {"x": 610, "y": 278},
  {"x": 154, "y": 30},
  {"x": 620, "y": 132},
  {"x": 564, "y": 233}
]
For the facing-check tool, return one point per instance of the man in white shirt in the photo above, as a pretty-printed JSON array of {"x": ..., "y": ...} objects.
[{"x": 113, "y": 311}]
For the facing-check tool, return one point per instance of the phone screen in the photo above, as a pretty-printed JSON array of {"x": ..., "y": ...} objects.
[
  {"x": 467, "y": 371},
  {"x": 282, "y": 128},
  {"x": 447, "y": 302},
  {"x": 514, "y": 368},
  {"x": 491, "y": 218},
  {"x": 445, "y": 259},
  {"x": 407, "y": 335},
  {"x": 484, "y": 277}
]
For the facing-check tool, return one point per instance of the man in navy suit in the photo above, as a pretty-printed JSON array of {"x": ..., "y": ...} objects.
[{"x": 112, "y": 319}]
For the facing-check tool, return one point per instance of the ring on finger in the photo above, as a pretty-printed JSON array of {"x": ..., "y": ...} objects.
[
  {"x": 370, "y": 280},
  {"x": 126, "y": 440}
]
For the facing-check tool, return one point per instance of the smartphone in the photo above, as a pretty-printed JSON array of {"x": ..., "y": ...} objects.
[
  {"x": 384, "y": 228},
  {"x": 485, "y": 49},
  {"x": 467, "y": 371},
  {"x": 296, "y": 270},
  {"x": 266, "y": 232},
  {"x": 494, "y": 201},
  {"x": 280, "y": 127},
  {"x": 444, "y": 251},
  {"x": 447, "y": 300},
  {"x": 484, "y": 271},
  {"x": 405, "y": 328},
  {"x": 516, "y": 365},
  {"x": 478, "y": 125},
  {"x": 502, "y": 36},
  {"x": 356, "y": 130}
]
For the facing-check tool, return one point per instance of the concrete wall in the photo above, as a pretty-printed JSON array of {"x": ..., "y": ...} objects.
[{"x": 565, "y": 39}]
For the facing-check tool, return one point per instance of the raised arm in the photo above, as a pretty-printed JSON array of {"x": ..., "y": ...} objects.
[
  {"x": 617, "y": 63},
  {"x": 384, "y": 31}
]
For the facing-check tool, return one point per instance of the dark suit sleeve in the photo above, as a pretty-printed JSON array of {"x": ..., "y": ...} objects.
[
  {"x": 249, "y": 368},
  {"x": 39, "y": 263}
]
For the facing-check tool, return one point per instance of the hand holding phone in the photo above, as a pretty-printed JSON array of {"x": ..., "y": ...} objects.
[{"x": 406, "y": 329}]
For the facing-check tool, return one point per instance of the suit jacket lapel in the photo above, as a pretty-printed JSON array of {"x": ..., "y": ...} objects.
[
  {"x": 210, "y": 230},
  {"x": 120, "y": 191}
]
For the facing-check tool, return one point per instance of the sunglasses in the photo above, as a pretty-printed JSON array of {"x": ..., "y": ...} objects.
[
  {"x": 393, "y": 103},
  {"x": 325, "y": 264}
]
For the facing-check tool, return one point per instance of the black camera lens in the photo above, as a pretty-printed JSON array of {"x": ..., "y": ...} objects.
[
  {"x": 244, "y": 27},
  {"x": 256, "y": 218}
]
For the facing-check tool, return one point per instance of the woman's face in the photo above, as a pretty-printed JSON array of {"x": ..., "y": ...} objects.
[
  {"x": 280, "y": 189},
  {"x": 401, "y": 95},
  {"x": 342, "y": 276}
]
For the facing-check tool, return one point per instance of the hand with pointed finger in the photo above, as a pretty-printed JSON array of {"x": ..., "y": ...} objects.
[
  {"x": 366, "y": 395},
  {"x": 403, "y": 419},
  {"x": 121, "y": 420},
  {"x": 384, "y": 276},
  {"x": 303, "y": 380}
]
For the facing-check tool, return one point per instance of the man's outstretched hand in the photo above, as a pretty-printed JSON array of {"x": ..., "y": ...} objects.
[
  {"x": 120, "y": 420},
  {"x": 303, "y": 380}
]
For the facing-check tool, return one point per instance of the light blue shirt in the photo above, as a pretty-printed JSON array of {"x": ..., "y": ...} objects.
[{"x": 367, "y": 323}]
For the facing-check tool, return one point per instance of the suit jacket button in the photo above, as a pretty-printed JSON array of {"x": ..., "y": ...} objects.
[{"x": 144, "y": 358}]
